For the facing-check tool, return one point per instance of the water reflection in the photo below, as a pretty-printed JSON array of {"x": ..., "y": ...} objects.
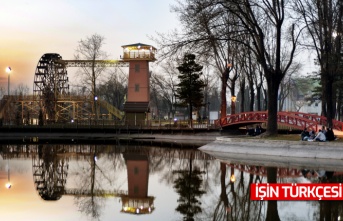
[
  {"x": 107, "y": 182},
  {"x": 235, "y": 201},
  {"x": 49, "y": 168},
  {"x": 272, "y": 211},
  {"x": 188, "y": 185},
  {"x": 137, "y": 200}
]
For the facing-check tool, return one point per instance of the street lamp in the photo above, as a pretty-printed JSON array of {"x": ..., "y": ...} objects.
[
  {"x": 8, "y": 70},
  {"x": 232, "y": 177},
  {"x": 233, "y": 104},
  {"x": 95, "y": 107},
  {"x": 208, "y": 113}
]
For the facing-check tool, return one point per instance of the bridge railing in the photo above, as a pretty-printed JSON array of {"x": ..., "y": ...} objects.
[
  {"x": 241, "y": 118},
  {"x": 296, "y": 120}
]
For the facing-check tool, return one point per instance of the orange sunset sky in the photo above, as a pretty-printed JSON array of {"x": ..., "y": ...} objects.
[{"x": 31, "y": 28}]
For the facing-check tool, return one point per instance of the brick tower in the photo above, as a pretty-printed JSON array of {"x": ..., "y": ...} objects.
[{"x": 136, "y": 106}]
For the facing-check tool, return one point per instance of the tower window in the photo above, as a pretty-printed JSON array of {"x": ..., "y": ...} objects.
[
  {"x": 136, "y": 190},
  {"x": 137, "y": 68},
  {"x": 137, "y": 87},
  {"x": 135, "y": 170}
]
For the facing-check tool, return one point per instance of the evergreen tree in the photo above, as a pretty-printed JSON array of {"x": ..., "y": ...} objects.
[{"x": 189, "y": 90}]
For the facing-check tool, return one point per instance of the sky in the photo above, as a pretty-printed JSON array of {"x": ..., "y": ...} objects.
[{"x": 31, "y": 28}]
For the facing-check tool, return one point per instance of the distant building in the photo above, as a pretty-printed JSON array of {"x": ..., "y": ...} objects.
[{"x": 301, "y": 97}]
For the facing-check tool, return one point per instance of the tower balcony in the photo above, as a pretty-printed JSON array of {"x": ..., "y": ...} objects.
[{"x": 138, "y": 51}]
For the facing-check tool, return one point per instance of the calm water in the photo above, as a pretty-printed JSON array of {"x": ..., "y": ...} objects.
[{"x": 95, "y": 182}]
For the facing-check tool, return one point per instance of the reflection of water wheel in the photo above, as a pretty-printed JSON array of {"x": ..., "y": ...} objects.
[
  {"x": 50, "y": 82},
  {"x": 50, "y": 172}
]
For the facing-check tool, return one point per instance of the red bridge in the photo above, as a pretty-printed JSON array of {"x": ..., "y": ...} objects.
[{"x": 296, "y": 120}]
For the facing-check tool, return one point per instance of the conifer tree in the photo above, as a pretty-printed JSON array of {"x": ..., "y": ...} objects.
[{"x": 190, "y": 89}]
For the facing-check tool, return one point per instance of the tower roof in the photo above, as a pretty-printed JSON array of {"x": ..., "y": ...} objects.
[{"x": 141, "y": 45}]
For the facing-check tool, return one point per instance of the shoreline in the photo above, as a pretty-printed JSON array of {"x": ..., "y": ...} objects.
[
  {"x": 194, "y": 139},
  {"x": 302, "y": 154}
]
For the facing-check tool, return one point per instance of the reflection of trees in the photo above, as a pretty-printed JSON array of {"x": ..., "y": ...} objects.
[
  {"x": 89, "y": 185},
  {"x": 188, "y": 186},
  {"x": 331, "y": 210},
  {"x": 272, "y": 212},
  {"x": 234, "y": 201},
  {"x": 166, "y": 160}
]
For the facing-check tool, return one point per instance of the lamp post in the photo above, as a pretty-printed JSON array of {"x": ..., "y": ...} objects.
[
  {"x": 8, "y": 70},
  {"x": 208, "y": 113},
  {"x": 96, "y": 108}
]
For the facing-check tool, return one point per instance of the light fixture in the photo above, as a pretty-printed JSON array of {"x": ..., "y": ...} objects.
[
  {"x": 8, "y": 70},
  {"x": 232, "y": 178},
  {"x": 233, "y": 98},
  {"x": 8, "y": 185}
]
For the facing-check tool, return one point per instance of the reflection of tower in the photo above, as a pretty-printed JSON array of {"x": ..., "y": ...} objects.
[
  {"x": 50, "y": 171},
  {"x": 138, "y": 92},
  {"x": 137, "y": 201}
]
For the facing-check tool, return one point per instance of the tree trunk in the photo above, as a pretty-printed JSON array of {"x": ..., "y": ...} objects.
[
  {"x": 329, "y": 103},
  {"x": 273, "y": 88},
  {"x": 258, "y": 98},
  {"x": 223, "y": 194},
  {"x": 223, "y": 104},
  {"x": 190, "y": 115},
  {"x": 272, "y": 212},
  {"x": 252, "y": 96},
  {"x": 233, "y": 97},
  {"x": 242, "y": 89}
]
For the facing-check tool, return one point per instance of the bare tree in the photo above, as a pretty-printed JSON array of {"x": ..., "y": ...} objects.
[
  {"x": 165, "y": 85},
  {"x": 263, "y": 22},
  {"x": 227, "y": 21},
  {"x": 22, "y": 90},
  {"x": 2, "y": 91},
  {"x": 114, "y": 89},
  {"x": 287, "y": 85},
  {"x": 323, "y": 19},
  {"x": 91, "y": 49},
  {"x": 210, "y": 81},
  {"x": 202, "y": 25}
]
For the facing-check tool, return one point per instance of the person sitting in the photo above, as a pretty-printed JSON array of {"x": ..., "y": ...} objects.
[
  {"x": 250, "y": 131},
  {"x": 312, "y": 134},
  {"x": 258, "y": 130},
  {"x": 324, "y": 130},
  {"x": 320, "y": 136},
  {"x": 330, "y": 136},
  {"x": 305, "y": 135}
]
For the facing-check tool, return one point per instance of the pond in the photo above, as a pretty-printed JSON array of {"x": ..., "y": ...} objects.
[{"x": 137, "y": 182}]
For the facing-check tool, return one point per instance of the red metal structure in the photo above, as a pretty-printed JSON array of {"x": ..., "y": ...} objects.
[
  {"x": 296, "y": 120},
  {"x": 262, "y": 171}
]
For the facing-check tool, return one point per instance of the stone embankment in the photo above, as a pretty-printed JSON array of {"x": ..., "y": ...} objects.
[{"x": 276, "y": 152}]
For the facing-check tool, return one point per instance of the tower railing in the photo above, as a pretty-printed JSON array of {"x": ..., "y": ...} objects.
[{"x": 144, "y": 55}]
